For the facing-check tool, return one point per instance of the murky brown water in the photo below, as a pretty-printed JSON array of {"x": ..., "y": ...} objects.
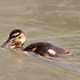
[{"x": 54, "y": 21}]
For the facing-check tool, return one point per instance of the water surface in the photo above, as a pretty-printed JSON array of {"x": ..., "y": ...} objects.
[{"x": 54, "y": 21}]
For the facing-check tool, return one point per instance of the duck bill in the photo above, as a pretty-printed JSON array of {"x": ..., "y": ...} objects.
[{"x": 5, "y": 43}]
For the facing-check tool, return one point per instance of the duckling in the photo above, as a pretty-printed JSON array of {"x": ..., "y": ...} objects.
[
  {"x": 46, "y": 49},
  {"x": 16, "y": 39}
]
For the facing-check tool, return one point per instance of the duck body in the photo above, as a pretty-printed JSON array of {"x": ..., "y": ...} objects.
[
  {"x": 46, "y": 49},
  {"x": 15, "y": 39}
]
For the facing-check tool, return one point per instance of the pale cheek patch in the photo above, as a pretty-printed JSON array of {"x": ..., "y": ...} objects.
[
  {"x": 22, "y": 39},
  {"x": 12, "y": 47},
  {"x": 51, "y": 51}
]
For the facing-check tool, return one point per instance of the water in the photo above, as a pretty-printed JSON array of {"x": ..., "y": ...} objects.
[{"x": 54, "y": 21}]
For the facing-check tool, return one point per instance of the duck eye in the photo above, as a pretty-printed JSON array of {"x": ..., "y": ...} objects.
[{"x": 19, "y": 37}]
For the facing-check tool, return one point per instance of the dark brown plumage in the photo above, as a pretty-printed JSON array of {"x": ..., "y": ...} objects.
[{"x": 46, "y": 49}]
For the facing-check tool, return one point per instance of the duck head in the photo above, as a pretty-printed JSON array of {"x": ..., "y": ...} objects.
[{"x": 15, "y": 39}]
